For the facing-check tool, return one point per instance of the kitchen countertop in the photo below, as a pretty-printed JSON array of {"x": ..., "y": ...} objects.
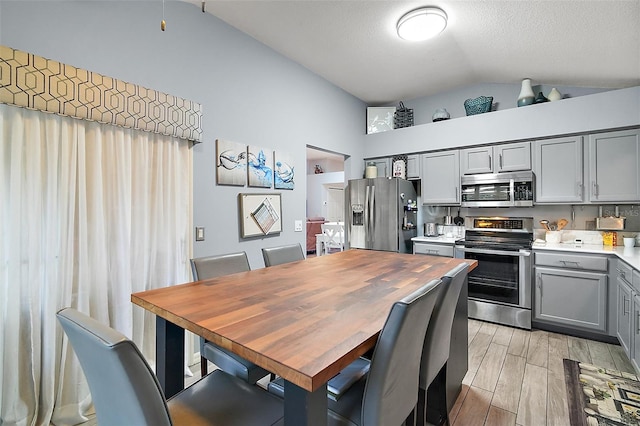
[
  {"x": 629, "y": 255},
  {"x": 441, "y": 239}
]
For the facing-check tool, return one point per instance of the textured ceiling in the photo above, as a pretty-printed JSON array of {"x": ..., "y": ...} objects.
[{"x": 353, "y": 44}]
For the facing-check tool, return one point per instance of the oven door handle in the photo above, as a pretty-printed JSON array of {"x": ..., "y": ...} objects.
[{"x": 521, "y": 253}]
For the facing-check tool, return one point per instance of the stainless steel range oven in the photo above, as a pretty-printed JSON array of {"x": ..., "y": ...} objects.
[{"x": 500, "y": 287}]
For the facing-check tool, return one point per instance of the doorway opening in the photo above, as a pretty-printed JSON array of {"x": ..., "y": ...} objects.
[{"x": 325, "y": 184}]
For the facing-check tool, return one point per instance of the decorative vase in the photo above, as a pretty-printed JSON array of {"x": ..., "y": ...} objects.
[
  {"x": 540, "y": 99},
  {"x": 554, "y": 95},
  {"x": 526, "y": 95}
]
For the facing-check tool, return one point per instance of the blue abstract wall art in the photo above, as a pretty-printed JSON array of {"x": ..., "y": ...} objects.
[
  {"x": 284, "y": 171},
  {"x": 259, "y": 167}
]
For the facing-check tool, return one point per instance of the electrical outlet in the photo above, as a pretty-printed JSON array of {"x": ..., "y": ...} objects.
[
  {"x": 199, "y": 233},
  {"x": 298, "y": 226}
]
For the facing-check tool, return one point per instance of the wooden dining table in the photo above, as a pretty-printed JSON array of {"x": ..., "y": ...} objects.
[{"x": 304, "y": 321}]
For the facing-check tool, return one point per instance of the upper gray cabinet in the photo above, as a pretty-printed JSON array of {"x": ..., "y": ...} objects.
[
  {"x": 382, "y": 164},
  {"x": 495, "y": 159},
  {"x": 614, "y": 166},
  {"x": 557, "y": 165},
  {"x": 440, "y": 182},
  {"x": 413, "y": 166}
]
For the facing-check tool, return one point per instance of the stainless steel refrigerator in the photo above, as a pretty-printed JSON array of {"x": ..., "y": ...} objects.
[{"x": 381, "y": 214}]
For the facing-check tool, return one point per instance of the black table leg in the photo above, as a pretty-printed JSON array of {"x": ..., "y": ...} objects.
[
  {"x": 304, "y": 408},
  {"x": 169, "y": 356}
]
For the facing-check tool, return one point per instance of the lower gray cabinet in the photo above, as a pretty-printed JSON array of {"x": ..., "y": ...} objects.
[
  {"x": 433, "y": 249},
  {"x": 634, "y": 355},
  {"x": 571, "y": 298},
  {"x": 628, "y": 316},
  {"x": 625, "y": 316}
]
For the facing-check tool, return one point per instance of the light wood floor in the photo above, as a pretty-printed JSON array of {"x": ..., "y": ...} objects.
[{"x": 516, "y": 377}]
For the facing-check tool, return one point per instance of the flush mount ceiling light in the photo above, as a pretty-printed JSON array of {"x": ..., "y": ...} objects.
[{"x": 422, "y": 24}]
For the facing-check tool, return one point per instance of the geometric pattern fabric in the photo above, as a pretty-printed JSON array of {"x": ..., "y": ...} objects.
[{"x": 34, "y": 82}]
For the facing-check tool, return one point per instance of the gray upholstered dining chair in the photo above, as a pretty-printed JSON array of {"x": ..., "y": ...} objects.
[
  {"x": 437, "y": 343},
  {"x": 126, "y": 392},
  {"x": 283, "y": 254},
  {"x": 388, "y": 393},
  {"x": 211, "y": 267}
]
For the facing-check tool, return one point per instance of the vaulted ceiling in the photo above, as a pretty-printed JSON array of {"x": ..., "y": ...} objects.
[{"x": 354, "y": 45}]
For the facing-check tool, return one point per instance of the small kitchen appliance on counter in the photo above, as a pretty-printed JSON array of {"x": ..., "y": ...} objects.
[
  {"x": 610, "y": 223},
  {"x": 431, "y": 229}
]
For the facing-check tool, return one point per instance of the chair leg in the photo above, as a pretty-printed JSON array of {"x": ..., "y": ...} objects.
[
  {"x": 411, "y": 420},
  {"x": 272, "y": 377},
  {"x": 421, "y": 408},
  {"x": 437, "y": 411},
  {"x": 203, "y": 366}
]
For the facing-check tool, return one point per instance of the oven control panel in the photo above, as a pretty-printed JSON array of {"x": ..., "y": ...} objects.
[{"x": 524, "y": 224}]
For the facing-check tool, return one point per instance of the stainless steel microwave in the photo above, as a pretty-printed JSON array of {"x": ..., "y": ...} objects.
[{"x": 512, "y": 189}]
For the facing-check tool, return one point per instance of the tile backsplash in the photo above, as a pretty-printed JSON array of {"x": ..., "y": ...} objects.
[{"x": 581, "y": 218}]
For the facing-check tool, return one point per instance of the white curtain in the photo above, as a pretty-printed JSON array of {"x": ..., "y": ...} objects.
[{"x": 89, "y": 213}]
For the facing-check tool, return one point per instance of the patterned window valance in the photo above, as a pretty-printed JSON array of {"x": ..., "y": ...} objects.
[{"x": 35, "y": 82}]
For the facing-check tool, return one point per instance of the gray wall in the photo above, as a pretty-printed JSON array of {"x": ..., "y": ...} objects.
[{"x": 250, "y": 94}]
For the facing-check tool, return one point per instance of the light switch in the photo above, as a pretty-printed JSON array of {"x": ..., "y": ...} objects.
[
  {"x": 199, "y": 233},
  {"x": 298, "y": 226}
]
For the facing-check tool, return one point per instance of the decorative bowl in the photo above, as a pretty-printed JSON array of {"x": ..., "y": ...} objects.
[
  {"x": 441, "y": 114},
  {"x": 478, "y": 105}
]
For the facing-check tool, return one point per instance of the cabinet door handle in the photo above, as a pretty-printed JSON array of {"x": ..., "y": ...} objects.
[
  {"x": 625, "y": 305},
  {"x": 579, "y": 188},
  {"x": 539, "y": 282},
  {"x": 623, "y": 277},
  {"x": 638, "y": 322},
  {"x": 595, "y": 188},
  {"x": 490, "y": 163},
  {"x": 500, "y": 156}
]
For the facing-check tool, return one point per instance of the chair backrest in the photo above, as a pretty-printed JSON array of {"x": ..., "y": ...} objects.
[
  {"x": 216, "y": 266},
  {"x": 333, "y": 235},
  {"x": 283, "y": 254},
  {"x": 437, "y": 341},
  {"x": 391, "y": 391},
  {"x": 123, "y": 387}
]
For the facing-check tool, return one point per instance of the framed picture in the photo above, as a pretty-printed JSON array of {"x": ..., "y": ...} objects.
[
  {"x": 260, "y": 214},
  {"x": 259, "y": 167},
  {"x": 283, "y": 171},
  {"x": 231, "y": 163},
  {"x": 380, "y": 119}
]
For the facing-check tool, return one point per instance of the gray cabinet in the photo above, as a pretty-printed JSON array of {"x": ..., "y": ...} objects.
[
  {"x": 413, "y": 166},
  {"x": 495, "y": 159},
  {"x": 571, "y": 290},
  {"x": 382, "y": 164},
  {"x": 634, "y": 354},
  {"x": 433, "y": 249},
  {"x": 557, "y": 165},
  {"x": 624, "y": 319},
  {"x": 512, "y": 157},
  {"x": 476, "y": 160},
  {"x": 571, "y": 298},
  {"x": 614, "y": 166},
  {"x": 628, "y": 315},
  {"x": 440, "y": 182}
]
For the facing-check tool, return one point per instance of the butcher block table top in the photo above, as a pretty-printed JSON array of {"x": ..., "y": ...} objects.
[{"x": 305, "y": 320}]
